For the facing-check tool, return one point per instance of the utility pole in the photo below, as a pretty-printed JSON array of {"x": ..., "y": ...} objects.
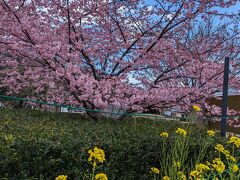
[{"x": 225, "y": 98}]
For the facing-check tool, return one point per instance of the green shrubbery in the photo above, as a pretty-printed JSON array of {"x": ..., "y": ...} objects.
[{"x": 41, "y": 145}]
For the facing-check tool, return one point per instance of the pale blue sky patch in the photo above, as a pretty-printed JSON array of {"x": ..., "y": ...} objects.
[{"x": 231, "y": 9}]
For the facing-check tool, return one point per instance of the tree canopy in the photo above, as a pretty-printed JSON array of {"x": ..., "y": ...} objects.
[{"x": 86, "y": 52}]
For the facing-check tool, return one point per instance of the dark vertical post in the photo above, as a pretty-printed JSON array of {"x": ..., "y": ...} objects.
[{"x": 225, "y": 98}]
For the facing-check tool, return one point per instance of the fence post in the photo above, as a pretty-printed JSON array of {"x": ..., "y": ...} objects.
[{"x": 225, "y": 98}]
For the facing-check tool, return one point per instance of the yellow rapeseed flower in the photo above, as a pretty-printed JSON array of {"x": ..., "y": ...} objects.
[
  {"x": 235, "y": 140},
  {"x": 164, "y": 134},
  {"x": 94, "y": 163},
  {"x": 208, "y": 163},
  {"x": 199, "y": 171},
  {"x": 232, "y": 159},
  {"x": 101, "y": 176},
  {"x": 177, "y": 164},
  {"x": 202, "y": 167},
  {"x": 96, "y": 155},
  {"x": 218, "y": 165},
  {"x": 211, "y": 133},
  {"x": 155, "y": 170},
  {"x": 195, "y": 174},
  {"x": 181, "y": 132},
  {"x": 226, "y": 152},
  {"x": 196, "y": 108},
  {"x": 219, "y": 148},
  {"x": 235, "y": 168},
  {"x": 166, "y": 178},
  {"x": 228, "y": 156},
  {"x": 61, "y": 177},
  {"x": 182, "y": 176}
]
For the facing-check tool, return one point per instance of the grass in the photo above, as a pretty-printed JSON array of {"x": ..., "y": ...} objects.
[{"x": 44, "y": 145}]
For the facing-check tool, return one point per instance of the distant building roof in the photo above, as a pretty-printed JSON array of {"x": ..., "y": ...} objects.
[{"x": 233, "y": 102}]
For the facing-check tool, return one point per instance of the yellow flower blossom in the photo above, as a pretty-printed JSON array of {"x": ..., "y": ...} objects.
[
  {"x": 235, "y": 168},
  {"x": 177, "y": 164},
  {"x": 61, "y": 177},
  {"x": 96, "y": 155},
  {"x": 182, "y": 176},
  {"x": 232, "y": 159},
  {"x": 218, "y": 165},
  {"x": 211, "y": 133},
  {"x": 94, "y": 163},
  {"x": 101, "y": 176},
  {"x": 181, "y": 132},
  {"x": 196, "y": 108},
  {"x": 208, "y": 163},
  {"x": 202, "y": 167},
  {"x": 228, "y": 156},
  {"x": 199, "y": 171},
  {"x": 155, "y": 170},
  {"x": 226, "y": 152},
  {"x": 219, "y": 148},
  {"x": 195, "y": 174},
  {"x": 166, "y": 178},
  {"x": 164, "y": 134},
  {"x": 235, "y": 140}
]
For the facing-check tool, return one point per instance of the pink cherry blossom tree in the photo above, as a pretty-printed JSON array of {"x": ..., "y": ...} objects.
[{"x": 85, "y": 52}]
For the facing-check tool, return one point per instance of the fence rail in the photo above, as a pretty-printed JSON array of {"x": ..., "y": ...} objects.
[{"x": 153, "y": 116}]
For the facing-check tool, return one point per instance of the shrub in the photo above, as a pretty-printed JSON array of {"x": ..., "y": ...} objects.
[{"x": 42, "y": 145}]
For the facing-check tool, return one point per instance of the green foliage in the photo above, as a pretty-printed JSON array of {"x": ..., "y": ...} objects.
[{"x": 43, "y": 145}]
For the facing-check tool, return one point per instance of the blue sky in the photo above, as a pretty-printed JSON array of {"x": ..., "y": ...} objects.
[{"x": 234, "y": 9}]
